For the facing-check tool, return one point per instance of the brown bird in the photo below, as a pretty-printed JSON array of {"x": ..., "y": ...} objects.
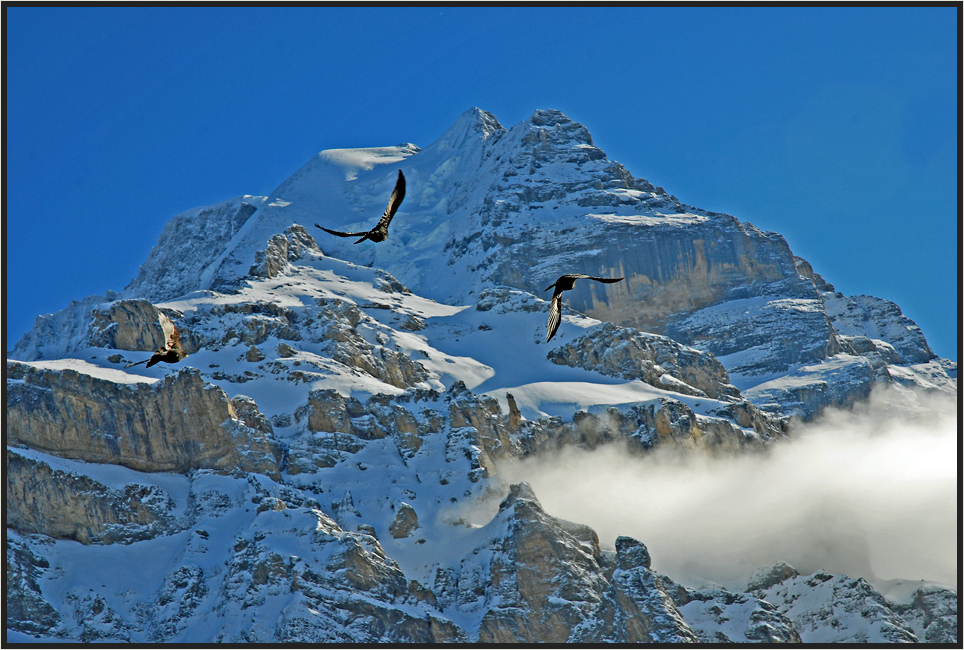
[
  {"x": 380, "y": 231},
  {"x": 564, "y": 283},
  {"x": 171, "y": 352}
]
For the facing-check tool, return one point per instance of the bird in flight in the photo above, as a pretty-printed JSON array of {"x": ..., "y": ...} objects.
[
  {"x": 564, "y": 283},
  {"x": 172, "y": 351},
  {"x": 380, "y": 231}
]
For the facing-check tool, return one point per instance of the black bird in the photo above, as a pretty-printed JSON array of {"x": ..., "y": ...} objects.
[
  {"x": 380, "y": 231},
  {"x": 565, "y": 283},
  {"x": 171, "y": 352}
]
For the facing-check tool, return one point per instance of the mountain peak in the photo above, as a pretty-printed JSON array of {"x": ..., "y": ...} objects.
[
  {"x": 562, "y": 127},
  {"x": 472, "y": 124},
  {"x": 549, "y": 117}
]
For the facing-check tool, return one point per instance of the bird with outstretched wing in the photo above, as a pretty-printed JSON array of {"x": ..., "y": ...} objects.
[
  {"x": 380, "y": 231},
  {"x": 564, "y": 283},
  {"x": 172, "y": 351}
]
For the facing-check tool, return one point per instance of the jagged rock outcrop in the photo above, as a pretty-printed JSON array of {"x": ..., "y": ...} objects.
[
  {"x": 281, "y": 250},
  {"x": 555, "y": 568},
  {"x": 876, "y": 324},
  {"x": 720, "y": 616},
  {"x": 133, "y": 325},
  {"x": 637, "y": 607},
  {"x": 349, "y": 348},
  {"x": 63, "y": 505},
  {"x": 933, "y": 614},
  {"x": 189, "y": 242},
  {"x": 246, "y": 410},
  {"x": 837, "y": 609},
  {"x": 805, "y": 392},
  {"x": 647, "y": 426},
  {"x": 478, "y": 423},
  {"x": 348, "y": 588},
  {"x": 484, "y": 415},
  {"x": 332, "y": 323},
  {"x": 405, "y": 521},
  {"x": 657, "y": 360},
  {"x": 58, "y": 335},
  {"x": 344, "y": 423},
  {"x": 25, "y": 608},
  {"x": 179, "y": 424}
]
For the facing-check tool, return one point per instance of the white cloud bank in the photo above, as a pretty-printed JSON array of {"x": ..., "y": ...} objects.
[{"x": 869, "y": 492}]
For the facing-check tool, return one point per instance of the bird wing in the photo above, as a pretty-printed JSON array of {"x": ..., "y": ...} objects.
[
  {"x": 555, "y": 316},
  {"x": 583, "y": 276},
  {"x": 172, "y": 339},
  {"x": 394, "y": 201},
  {"x": 343, "y": 234}
]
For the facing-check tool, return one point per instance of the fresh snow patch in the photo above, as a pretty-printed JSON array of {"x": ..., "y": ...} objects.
[
  {"x": 86, "y": 368},
  {"x": 545, "y": 399}
]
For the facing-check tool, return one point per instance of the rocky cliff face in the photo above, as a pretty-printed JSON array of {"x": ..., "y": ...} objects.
[
  {"x": 179, "y": 424},
  {"x": 174, "y": 266},
  {"x": 325, "y": 465},
  {"x": 657, "y": 360},
  {"x": 64, "y": 505}
]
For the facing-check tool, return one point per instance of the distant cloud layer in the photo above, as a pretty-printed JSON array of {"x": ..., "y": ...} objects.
[{"x": 869, "y": 492}]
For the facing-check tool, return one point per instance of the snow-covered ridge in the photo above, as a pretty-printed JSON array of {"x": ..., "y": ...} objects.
[{"x": 365, "y": 398}]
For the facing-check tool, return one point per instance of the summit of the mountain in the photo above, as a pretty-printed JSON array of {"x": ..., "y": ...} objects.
[{"x": 491, "y": 207}]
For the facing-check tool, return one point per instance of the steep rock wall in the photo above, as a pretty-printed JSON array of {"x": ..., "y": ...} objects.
[
  {"x": 41, "y": 500},
  {"x": 179, "y": 424}
]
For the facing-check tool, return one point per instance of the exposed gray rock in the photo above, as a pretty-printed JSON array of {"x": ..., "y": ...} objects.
[
  {"x": 805, "y": 392},
  {"x": 932, "y": 614},
  {"x": 771, "y": 576},
  {"x": 25, "y": 608},
  {"x": 187, "y": 245},
  {"x": 657, "y": 360},
  {"x": 282, "y": 249},
  {"x": 546, "y": 565},
  {"x": 62, "y": 505},
  {"x": 128, "y": 325},
  {"x": 836, "y": 609},
  {"x": 351, "y": 588},
  {"x": 405, "y": 522},
  {"x": 878, "y": 322},
  {"x": 646, "y": 426},
  {"x": 178, "y": 424},
  {"x": 742, "y": 332},
  {"x": 254, "y": 355},
  {"x": 179, "y": 597},
  {"x": 58, "y": 335},
  {"x": 720, "y": 616},
  {"x": 246, "y": 410}
]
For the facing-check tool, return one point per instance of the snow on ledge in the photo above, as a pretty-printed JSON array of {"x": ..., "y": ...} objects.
[{"x": 81, "y": 366}]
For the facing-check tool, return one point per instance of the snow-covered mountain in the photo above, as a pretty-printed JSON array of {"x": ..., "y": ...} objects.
[{"x": 324, "y": 465}]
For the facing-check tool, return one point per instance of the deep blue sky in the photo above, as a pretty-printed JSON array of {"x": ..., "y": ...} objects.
[{"x": 836, "y": 127}]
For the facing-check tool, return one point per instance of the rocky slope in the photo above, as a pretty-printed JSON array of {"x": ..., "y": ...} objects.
[
  {"x": 324, "y": 465},
  {"x": 494, "y": 207}
]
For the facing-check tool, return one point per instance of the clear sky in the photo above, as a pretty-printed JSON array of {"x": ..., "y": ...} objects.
[{"x": 836, "y": 127}]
